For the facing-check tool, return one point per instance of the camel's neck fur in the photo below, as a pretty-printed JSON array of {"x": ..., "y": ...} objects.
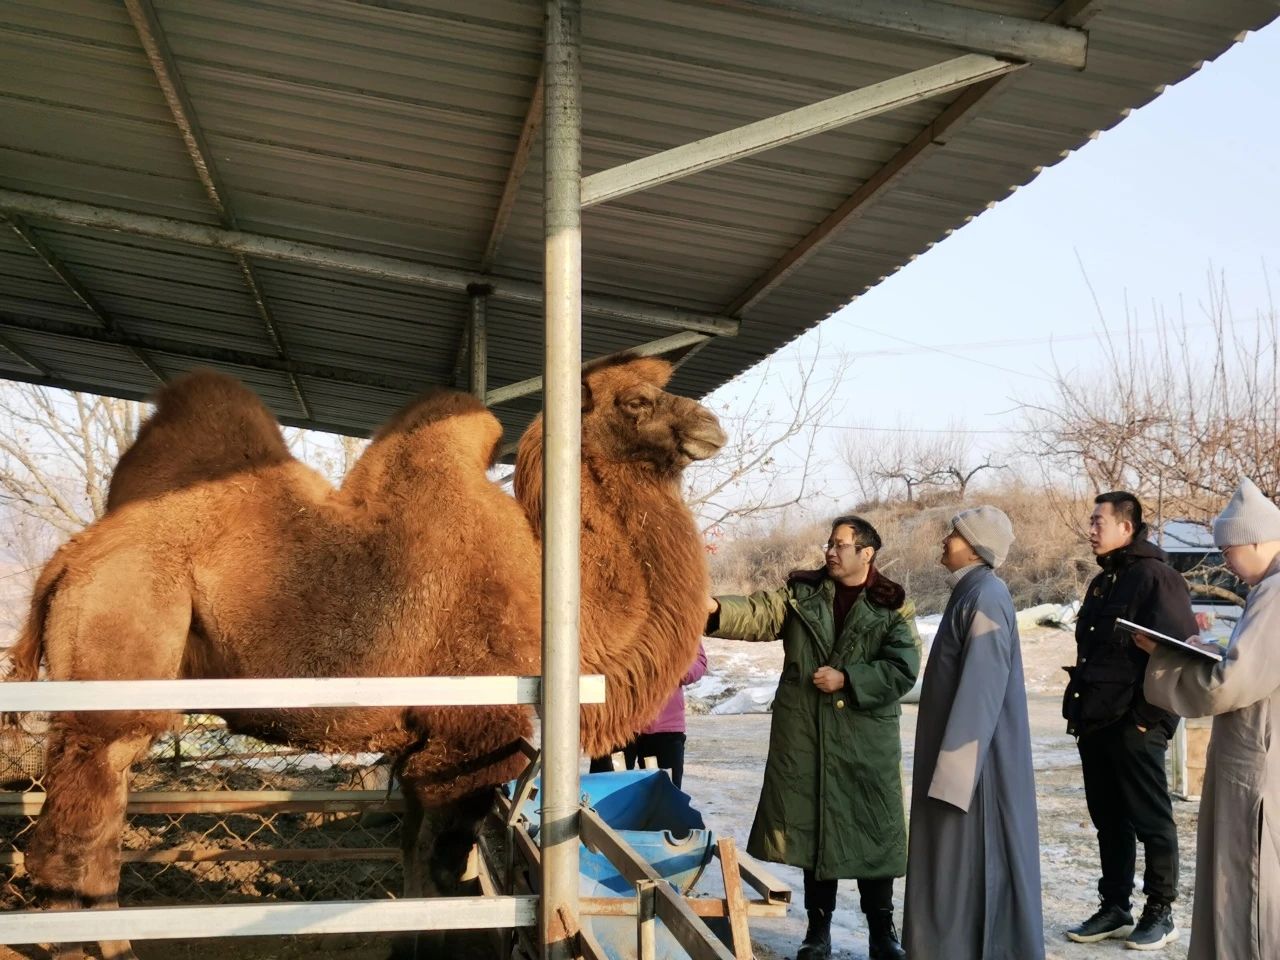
[{"x": 644, "y": 586}]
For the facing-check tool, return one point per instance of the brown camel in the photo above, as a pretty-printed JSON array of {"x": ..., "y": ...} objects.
[{"x": 222, "y": 556}]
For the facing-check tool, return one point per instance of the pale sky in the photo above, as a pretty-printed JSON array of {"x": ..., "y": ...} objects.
[{"x": 1184, "y": 188}]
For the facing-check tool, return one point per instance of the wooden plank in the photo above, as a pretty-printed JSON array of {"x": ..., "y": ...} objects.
[
  {"x": 484, "y": 875},
  {"x": 739, "y": 933},
  {"x": 603, "y": 838},
  {"x": 527, "y": 848},
  {"x": 762, "y": 881},
  {"x": 589, "y": 947},
  {"x": 699, "y": 906},
  {"x": 646, "y": 919},
  {"x": 690, "y": 932},
  {"x": 524, "y": 787},
  {"x": 272, "y": 693},
  {"x": 267, "y": 919},
  {"x": 500, "y": 878}
]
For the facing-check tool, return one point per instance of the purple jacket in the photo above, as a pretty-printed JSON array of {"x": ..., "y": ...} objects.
[{"x": 670, "y": 718}]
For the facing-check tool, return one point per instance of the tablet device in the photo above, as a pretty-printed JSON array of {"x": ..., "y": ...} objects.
[{"x": 1165, "y": 640}]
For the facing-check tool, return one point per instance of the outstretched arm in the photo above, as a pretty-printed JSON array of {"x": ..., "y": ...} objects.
[
  {"x": 984, "y": 679},
  {"x": 755, "y": 617}
]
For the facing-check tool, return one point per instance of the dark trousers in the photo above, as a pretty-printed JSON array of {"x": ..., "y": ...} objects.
[
  {"x": 874, "y": 894},
  {"x": 667, "y": 748},
  {"x": 1128, "y": 797}
]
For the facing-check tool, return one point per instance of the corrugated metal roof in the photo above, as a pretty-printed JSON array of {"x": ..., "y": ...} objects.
[{"x": 389, "y": 127}]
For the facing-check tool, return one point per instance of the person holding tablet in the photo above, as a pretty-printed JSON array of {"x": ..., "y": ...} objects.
[{"x": 1237, "y": 901}]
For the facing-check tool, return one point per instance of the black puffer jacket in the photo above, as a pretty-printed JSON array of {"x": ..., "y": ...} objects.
[{"x": 1106, "y": 683}]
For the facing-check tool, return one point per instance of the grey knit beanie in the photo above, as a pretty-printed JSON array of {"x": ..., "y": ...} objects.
[
  {"x": 1249, "y": 517},
  {"x": 987, "y": 530}
]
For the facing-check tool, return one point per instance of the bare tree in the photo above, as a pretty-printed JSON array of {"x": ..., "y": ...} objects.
[
  {"x": 331, "y": 454},
  {"x": 1166, "y": 418},
  {"x": 885, "y": 463},
  {"x": 772, "y": 454},
  {"x": 57, "y": 450}
]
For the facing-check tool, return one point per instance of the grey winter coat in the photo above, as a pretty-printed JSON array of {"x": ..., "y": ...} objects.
[
  {"x": 1237, "y": 903},
  {"x": 973, "y": 869}
]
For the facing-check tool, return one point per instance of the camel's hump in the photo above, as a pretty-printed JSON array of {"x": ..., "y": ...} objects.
[
  {"x": 206, "y": 425},
  {"x": 437, "y": 405}
]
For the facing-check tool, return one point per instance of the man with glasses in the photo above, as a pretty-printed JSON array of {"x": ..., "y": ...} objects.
[{"x": 831, "y": 801}]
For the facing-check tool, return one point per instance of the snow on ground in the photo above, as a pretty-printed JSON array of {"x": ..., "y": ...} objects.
[{"x": 725, "y": 761}]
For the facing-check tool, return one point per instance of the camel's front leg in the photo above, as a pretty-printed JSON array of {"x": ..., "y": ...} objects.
[{"x": 74, "y": 856}]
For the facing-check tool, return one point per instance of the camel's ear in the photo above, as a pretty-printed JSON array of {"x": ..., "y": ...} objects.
[{"x": 588, "y": 398}]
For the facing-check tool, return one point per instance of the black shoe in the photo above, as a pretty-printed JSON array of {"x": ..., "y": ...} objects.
[
  {"x": 1111, "y": 920},
  {"x": 1155, "y": 929},
  {"x": 817, "y": 939},
  {"x": 882, "y": 938}
]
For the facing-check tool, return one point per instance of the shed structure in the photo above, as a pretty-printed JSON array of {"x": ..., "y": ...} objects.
[{"x": 344, "y": 202}]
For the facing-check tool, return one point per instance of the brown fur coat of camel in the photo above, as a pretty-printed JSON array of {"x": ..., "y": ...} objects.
[{"x": 221, "y": 555}]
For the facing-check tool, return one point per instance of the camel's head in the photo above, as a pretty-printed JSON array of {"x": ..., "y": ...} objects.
[{"x": 627, "y": 415}]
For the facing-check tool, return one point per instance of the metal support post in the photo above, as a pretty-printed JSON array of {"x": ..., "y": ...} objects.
[
  {"x": 562, "y": 398},
  {"x": 478, "y": 337}
]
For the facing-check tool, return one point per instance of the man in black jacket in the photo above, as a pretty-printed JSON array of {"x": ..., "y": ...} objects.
[{"x": 1122, "y": 738}]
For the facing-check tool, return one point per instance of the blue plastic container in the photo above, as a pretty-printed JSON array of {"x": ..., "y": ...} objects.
[{"x": 660, "y": 824}]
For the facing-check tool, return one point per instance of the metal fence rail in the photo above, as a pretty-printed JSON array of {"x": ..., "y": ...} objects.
[{"x": 215, "y": 816}]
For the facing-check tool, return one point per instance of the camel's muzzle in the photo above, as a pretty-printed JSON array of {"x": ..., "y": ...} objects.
[{"x": 704, "y": 438}]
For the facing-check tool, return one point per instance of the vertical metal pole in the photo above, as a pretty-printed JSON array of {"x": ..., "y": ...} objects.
[
  {"x": 478, "y": 339},
  {"x": 562, "y": 399}
]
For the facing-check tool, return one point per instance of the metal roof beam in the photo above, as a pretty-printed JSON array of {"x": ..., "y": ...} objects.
[
  {"x": 194, "y": 351},
  {"x": 147, "y": 25},
  {"x": 931, "y": 138},
  {"x": 147, "y": 396},
  {"x": 654, "y": 348},
  {"x": 794, "y": 125},
  {"x": 642, "y": 312},
  {"x": 25, "y": 357},
  {"x": 1029, "y": 40},
  {"x": 256, "y": 361},
  {"x": 510, "y": 190},
  {"x": 72, "y": 283}
]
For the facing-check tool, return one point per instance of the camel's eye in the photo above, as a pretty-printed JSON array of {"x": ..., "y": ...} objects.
[{"x": 637, "y": 405}]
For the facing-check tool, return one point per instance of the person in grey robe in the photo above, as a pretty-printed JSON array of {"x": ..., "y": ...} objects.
[
  {"x": 973, "y": 862},
  {"x": 1236, "y": 915}
]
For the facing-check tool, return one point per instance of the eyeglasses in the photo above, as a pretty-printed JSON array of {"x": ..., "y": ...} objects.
[{"x": 839, "y": 547}]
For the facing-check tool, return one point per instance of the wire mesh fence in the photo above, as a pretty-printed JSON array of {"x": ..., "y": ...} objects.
[{"x": 215, "y": 817}]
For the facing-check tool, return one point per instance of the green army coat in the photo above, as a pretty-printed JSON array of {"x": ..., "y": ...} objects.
[{"x": 831, "y": 800}]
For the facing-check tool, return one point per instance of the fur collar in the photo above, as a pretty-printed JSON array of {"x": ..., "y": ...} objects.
[{"x": 879, "y": 590}]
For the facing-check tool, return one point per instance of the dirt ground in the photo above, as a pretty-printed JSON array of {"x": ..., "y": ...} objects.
[{"x": 724, "y": 761}]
